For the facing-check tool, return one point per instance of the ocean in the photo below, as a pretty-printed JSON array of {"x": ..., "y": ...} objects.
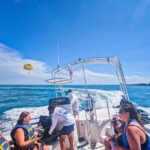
[{"x": 35, "y": 98}]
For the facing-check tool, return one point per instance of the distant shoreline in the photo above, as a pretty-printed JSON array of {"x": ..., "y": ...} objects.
[
  {"x": 136, "y": 84},
  {"x": 140, "y": 84}
]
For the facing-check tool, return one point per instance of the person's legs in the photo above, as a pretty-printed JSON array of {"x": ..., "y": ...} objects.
[
  {"x": 45, "y": 147},
  {"x": 39, "y": 146},
  {"x": 62, "y": 142},
  {"x": 70, "y": 137},
  {"x": 67, "y": 131},
  {"x": 107, "y": 143}
]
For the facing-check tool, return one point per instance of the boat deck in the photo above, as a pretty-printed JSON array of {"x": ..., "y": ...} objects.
[{"x": 56, "y": 146}]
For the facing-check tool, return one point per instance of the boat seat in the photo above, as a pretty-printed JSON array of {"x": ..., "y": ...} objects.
[
  {"x": 103, "y": 138},
  {"x": 102, "y": 126},
  {"x": 63, "y": 102},
  {"x": 104, "y": 129},
  {"x": 109, "y": 130}
]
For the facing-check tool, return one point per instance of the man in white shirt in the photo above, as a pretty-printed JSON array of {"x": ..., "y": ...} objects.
[
  {"x": 74, "y": 102},
  {"x": 61, "y": 115}
]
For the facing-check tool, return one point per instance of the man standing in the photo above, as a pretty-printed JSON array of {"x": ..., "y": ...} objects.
[
  {"x": 74, "y": 102},
  {"x": 61, "y": 115}
]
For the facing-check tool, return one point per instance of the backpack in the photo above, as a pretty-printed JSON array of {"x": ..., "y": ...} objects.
[{"x": 46, "y": 122}]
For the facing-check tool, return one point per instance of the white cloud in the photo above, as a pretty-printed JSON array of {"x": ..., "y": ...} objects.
[
  {"x": 101, "y": 78},
  {"x": 94, "y": 78},
  {"x": 12, "y": 72},
  {"x": 133, "y": 79}
]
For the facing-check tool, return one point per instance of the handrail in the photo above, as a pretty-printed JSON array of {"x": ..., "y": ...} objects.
[{"x": 99, "y": 60}]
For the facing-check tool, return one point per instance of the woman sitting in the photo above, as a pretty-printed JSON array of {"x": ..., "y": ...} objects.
[
  {"x": 24, "y": 135},
  {"x": 4, "y": 145},
  {"x": 134, "y": 136}
]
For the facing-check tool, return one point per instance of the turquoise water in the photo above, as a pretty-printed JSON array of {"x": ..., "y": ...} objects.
[{"x": 19, "y": 96}]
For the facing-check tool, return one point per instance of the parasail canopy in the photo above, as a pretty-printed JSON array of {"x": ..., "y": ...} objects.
[{"x": 28, "y": 66}]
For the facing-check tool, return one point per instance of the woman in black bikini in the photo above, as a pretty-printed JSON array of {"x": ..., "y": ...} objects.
[{"x": 134, "y": 136}]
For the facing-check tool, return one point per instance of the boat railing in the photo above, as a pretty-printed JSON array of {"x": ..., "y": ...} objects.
[{"x": 100, "y": 60}]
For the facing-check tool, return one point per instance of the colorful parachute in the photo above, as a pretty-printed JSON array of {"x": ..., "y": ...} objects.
[{"x": 28, "y": 67}]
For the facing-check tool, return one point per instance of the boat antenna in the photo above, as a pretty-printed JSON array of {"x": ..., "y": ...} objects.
[{"x": 58, "y": 55}]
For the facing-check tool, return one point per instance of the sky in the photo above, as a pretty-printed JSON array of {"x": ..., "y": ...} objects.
[{"x": 31, "y": 29}]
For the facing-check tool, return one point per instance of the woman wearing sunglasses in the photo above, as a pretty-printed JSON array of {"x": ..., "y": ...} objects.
[{"x": 134, "y": 136}]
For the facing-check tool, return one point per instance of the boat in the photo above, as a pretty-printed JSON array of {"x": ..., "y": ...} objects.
[
  {"x": 93, "y": 124},
  {"x": 92, "y": 127}
]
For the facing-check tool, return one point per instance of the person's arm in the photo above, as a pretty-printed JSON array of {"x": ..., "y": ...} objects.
[
  {"x": 54, "y": 123},
  {"x": 20, "y": 136},
  {"x": 38, "y": 128},
  {"x": 75, "y": 103},
  {"x": 133, "y": 138},
  {"x": 1, "y": 133}
]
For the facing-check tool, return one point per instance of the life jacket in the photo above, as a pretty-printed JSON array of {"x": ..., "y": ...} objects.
[
  {"x": 28, "y": 129},
  {"x": 4, "y": 144},
  {"x": 145, "y": 146}
]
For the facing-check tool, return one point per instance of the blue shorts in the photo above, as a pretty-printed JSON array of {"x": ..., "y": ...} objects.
[{"x": 67, "y": 129}]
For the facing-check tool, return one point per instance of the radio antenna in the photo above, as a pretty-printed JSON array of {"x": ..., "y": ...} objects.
[{"x": 58, "y": 55}]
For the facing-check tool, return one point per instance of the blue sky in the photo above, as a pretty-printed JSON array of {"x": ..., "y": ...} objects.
[{"x": 31, "y": 29}]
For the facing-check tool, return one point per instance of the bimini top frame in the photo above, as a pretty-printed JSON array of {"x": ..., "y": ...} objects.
[
  {"x": 114, "y": 61},
  {"x": 59, "y": 80}
]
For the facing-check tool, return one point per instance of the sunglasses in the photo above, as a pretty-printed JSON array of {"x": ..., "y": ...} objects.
[{"x": 123, "y": 110}]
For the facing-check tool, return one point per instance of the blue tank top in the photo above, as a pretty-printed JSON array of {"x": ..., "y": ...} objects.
[{"x": 145, "y": 146}]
